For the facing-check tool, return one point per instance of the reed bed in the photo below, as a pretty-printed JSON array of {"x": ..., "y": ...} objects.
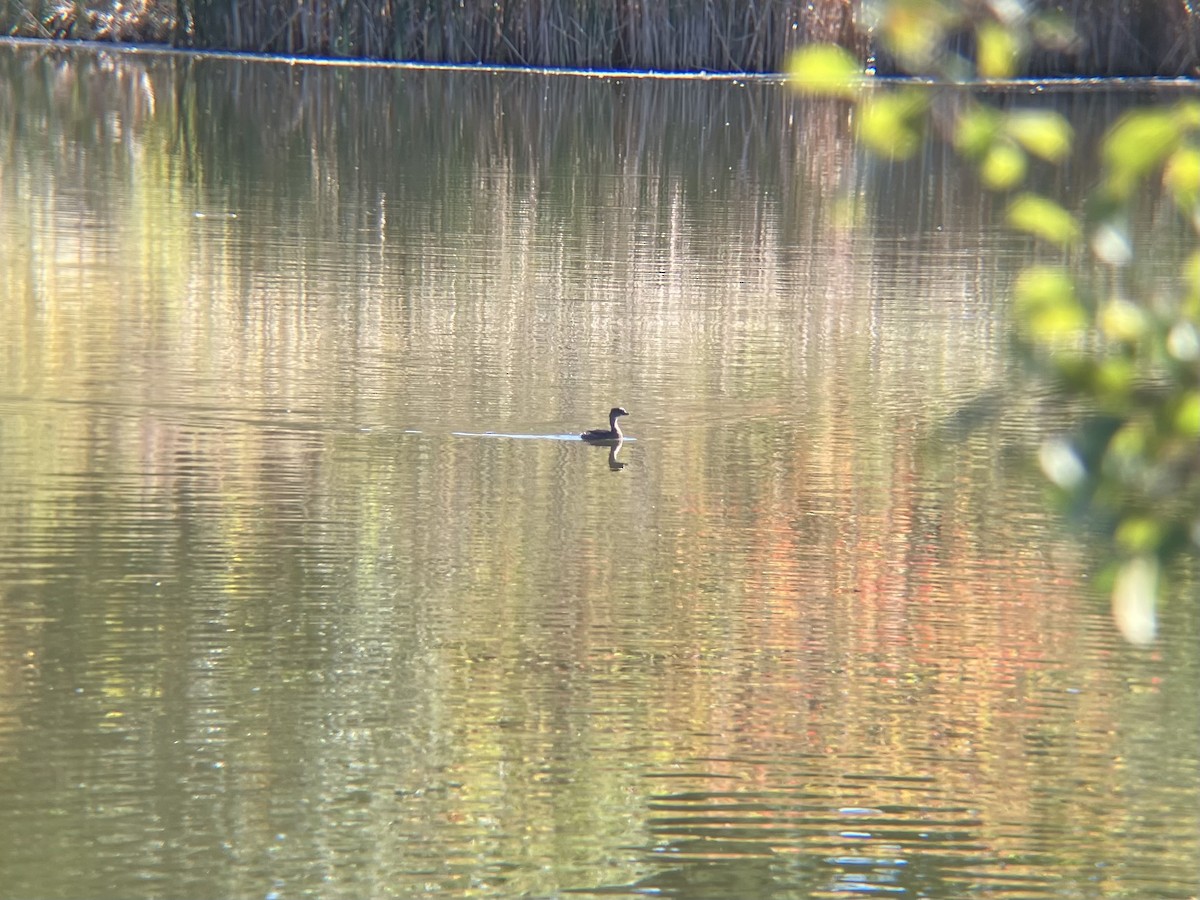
[
  {"x": 1113, "y": 37},
  {"x": 722, "y": 35}
]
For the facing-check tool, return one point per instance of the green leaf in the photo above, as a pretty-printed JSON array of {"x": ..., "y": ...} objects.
[
  {"x": 1137, "y": 144},
  {"x": 1003, "y": 167},
  {"x": 1139, "y": 534},
  {"x": 1042, "y": 133},
  {"x": 825, "y": 69},
  {"x": 1122, "y": 320},
  {"x": 1047, "y": 307},
  {"x": 1043, "y": 218},
  {"x": 1182, "y": 177},
  {"x": 976, "y": 130},
  {"x": 999, "y": 51},
  {"x": 890, "y": 123},
  {"x": 914, "y": 29},
  {"x": 1187, "y": 416},
  {"x": 1112, "y": 381}
]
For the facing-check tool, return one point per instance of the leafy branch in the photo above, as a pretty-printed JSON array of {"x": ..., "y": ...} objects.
[{"x": 1127, "y": 354}]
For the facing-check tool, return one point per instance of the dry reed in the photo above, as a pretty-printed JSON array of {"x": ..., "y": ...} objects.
[{"x": 1114, "y": 37}]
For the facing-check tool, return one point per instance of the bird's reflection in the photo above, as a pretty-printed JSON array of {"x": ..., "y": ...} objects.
[
  {"x": 614, "y": 447},
  {"x": 613, "y": 463}
]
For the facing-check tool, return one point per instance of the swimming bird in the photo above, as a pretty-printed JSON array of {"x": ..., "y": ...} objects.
[{"x": 612, "y": 433}]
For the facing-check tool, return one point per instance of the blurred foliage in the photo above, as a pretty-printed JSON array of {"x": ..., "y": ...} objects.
[{"x": 1125, "y": 353}]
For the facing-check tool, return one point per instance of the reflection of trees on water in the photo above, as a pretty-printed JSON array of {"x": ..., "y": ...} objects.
[{"x": 795, "y": 562}]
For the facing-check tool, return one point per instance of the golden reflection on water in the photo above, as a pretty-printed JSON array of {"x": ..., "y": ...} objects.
[{"x": 280, "y": 619}]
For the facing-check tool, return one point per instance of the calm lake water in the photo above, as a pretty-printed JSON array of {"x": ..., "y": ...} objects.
[{"x": 303, "y": 593}]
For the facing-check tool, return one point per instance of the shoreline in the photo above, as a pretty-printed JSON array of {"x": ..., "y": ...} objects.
[{"x": 128, "y": 48}]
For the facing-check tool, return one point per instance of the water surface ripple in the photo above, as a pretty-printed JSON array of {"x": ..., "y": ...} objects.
[{"x": 308, "y": 588}]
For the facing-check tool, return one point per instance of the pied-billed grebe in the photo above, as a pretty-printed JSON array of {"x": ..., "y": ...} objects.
[{"x": 612, "y": 433}]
